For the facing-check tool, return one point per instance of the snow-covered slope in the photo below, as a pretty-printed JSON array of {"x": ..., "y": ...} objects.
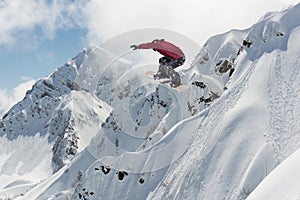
[
  {"x": 284, "y": 178},
  {"x": 96, "y": 128},
  {"x": 254, "y": 125},
  {"x": 97, "y": 108}
]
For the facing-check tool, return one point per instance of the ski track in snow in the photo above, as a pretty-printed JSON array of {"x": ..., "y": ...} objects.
[
  {"x": 236, "y": 92},
  {"x": 205, "y": 138},
  {"x": 214, "y": 126},
  {"x": 203, "y": 143},
  {"x": 283, "y": 133}
]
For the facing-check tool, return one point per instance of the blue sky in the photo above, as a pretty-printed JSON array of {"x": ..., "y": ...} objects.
[
  {"x": 38, "y": 36},
  {"x": 42, "y": 59}
]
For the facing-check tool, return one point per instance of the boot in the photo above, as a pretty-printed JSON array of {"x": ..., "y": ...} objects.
[
  {"x": 175, "y": 79},
  {"x": 163, "y": 72}
]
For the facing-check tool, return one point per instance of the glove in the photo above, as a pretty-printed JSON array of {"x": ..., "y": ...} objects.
[{"x": 134, "y": 47}]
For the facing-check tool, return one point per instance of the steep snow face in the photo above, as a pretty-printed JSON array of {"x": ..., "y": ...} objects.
[
  {"x": 40, "y": 134},
  {"x": 253, "y": 126},
  {"x": 216, "y": 58},
  {"x": 283, "y": 178},
  {"x": 272, "y": 32}
]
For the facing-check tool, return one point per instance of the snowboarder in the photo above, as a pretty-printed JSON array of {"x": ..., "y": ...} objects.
[{"x": 173, "y": 58}]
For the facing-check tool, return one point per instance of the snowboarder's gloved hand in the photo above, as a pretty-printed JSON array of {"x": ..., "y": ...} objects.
[{"x": 134, "y": 47}]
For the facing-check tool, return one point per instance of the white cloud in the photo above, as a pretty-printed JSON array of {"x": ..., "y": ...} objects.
[
  {"x": 103, "y": 19},
  {"x": 196, "y": 19},
  {"x": 10, "y": 97},
  {"x": 19, "y": 18}
]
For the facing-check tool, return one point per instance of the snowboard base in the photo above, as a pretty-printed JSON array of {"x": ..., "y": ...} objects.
[{"x": 166, "y": 81}]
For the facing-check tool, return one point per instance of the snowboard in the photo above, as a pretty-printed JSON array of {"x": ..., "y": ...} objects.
[{"x": 166, "y": 81}]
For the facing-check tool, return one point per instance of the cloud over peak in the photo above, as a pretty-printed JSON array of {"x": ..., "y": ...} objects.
[
  {"x": 22, "y": 17},
  {"x": 10, "y": 97}
]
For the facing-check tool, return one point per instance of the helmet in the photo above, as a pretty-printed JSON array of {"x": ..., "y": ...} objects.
[{"x": 156, "y": 40}]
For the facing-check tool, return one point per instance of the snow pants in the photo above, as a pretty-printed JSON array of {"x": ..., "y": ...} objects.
[{"x": 166, "y": 70}]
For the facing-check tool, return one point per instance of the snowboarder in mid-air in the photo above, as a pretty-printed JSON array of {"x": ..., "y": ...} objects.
[{"x": 173, "y": 57}]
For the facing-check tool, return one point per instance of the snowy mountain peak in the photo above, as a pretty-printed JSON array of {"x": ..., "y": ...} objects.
[
  {"x": 272, "y": 32},
  {"x": 83, "y": 108}
]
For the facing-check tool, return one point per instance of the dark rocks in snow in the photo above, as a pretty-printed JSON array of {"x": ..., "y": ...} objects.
[
  {"x": 212, "y": 96},
  {"x": 45, "y": 94},
  {"x": 73, "y": 86},
  {"x": 162, "y": 103},
  {"x": 141, "y": 180},
  {"x": 66, "y": 144},
  {"x": 279, "y": 34},
  {"x": 247, "y": 43},
  {"x": 85, "y": 194},
  {"x": 191, "y": 108},
  {"x": 231, "y": 72},
  {"x": 110, "y": 123},
  {"x": 121, "y": 175},
  {"x": 117, "y": 142},
  {"x": 79, "y": 176},
  {"x": 239, "y": 51},
  {"x": 105, "y": 169},
  {"x": 199, "y": 84},
  {"x": 4, "y": 116},
  {"x": 71, "y": 151},
  {"x": 204, "y": 58},
  {"x": 223, "y": 66},
  {"x": 72, "y": 142},
  {"x": 51, "y": 86}
]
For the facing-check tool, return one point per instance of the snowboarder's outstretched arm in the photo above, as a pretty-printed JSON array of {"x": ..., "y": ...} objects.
[
  {"x": 144, "y": 46},
  {"x": 150, "y": 45},
  {"x": 134, "y": 47},
  {"x": 163, "y": 47}
]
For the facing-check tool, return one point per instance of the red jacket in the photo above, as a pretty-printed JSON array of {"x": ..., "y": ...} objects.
[{"x": 165, "y": 48}]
